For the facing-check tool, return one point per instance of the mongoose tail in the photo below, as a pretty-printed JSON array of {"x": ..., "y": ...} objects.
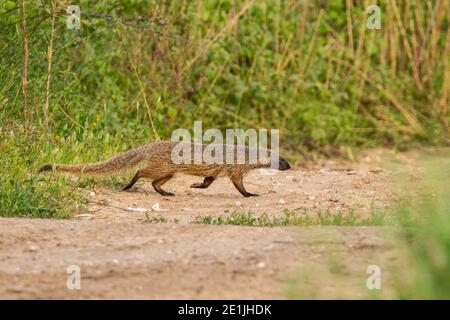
[{"x": 124, "y": 161}]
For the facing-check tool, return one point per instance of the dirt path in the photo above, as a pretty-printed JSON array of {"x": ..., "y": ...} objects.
[
  {"x": 332, "y": 189},
  {"x": 126, "y": 249},
  {"x": 163, "y": 261}
]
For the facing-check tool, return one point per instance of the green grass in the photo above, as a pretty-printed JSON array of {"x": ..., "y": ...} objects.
[
  {"x": 292, "y": 218},
  {"x": 283, "y": 64},
  {"x": 28, "y": 198},
  {"x": 159, "y": 219},
  {"x": 426, "y": 235},
  {"x": 24, "y": 193}
]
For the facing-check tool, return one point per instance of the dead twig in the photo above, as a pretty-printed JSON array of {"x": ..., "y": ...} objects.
[
  {"x": 25, "y": 63},
  {"x": 49, "y": 70}
]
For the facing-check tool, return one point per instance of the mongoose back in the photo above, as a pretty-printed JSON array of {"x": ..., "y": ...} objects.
[{"x": 154, "y": 162}]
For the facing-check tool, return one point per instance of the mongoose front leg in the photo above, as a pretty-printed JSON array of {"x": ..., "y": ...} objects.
[
  {"x": 206, "y": 183},
  {"x": 159, "y": 182},
  {"x": 136, "y": 177},
  {"x": 239, "y": 184}
]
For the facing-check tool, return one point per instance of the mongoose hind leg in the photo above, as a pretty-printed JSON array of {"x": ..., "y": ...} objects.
[
  {"x": 159, "y": 182},
  {"x": 136, "y": 177},
  {"x": 239, "y": 184},
  {"x": 206, "y": 183}
]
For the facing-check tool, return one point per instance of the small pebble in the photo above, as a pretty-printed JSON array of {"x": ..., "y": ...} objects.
[{"x": 156, "y": 207}]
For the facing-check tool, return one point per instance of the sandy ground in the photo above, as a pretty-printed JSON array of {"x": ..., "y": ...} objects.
[
  {"x": 138, "y": 244},
  {"x": 319, "y": 189}
]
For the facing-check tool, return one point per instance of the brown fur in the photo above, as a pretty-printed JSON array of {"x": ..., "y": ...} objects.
[{"x": 154, "y": 162}]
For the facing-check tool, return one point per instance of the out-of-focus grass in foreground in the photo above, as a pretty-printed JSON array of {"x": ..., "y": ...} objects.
[
  {"x": 425, "y": 222},
  {"x": 412, "y": 251}
]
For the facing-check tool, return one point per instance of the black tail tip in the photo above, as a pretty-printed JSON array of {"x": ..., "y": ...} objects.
[
  {"x": 46, "y": 167},
  {"x": 283, "y": 165}
]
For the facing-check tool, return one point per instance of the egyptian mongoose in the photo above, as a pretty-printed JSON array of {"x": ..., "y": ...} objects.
[{"x": 155, "y": 161}]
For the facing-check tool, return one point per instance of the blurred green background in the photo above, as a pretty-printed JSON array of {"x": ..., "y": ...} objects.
[{"x": 310, "y": 68}]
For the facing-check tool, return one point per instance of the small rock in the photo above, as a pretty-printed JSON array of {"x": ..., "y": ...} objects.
[
  {"x": 376, "y": 170},
  {"x": 156, "y": 207},
  {"x": 137, "y": 209},
  {"x": 281, "y": 201},
  {"x": 312, "y": 198},
  {"x": 33, "y": 248},
  {"x": 84, "y": 215},
  {"x": 238, "y": 204},
  {"x": 267, "y": 172},
  {"x": 261, "y": 265}
]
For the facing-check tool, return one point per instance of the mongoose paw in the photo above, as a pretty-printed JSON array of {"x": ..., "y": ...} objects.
[
  {"x": 248, "y": 194},
  {"x": 197, "y": 185}
]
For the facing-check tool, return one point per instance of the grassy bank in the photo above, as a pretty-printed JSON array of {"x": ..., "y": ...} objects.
[
  {"x": 298, "y": 218},
  {"x": 312, "y": 69}
]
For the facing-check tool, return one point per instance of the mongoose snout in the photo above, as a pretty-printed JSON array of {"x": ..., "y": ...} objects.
[{"x": 283, "y": 165}]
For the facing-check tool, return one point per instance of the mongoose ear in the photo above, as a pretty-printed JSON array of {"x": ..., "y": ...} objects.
[
  {"x": 46, "y": 167},
  {"x": 283, "y": 165}
]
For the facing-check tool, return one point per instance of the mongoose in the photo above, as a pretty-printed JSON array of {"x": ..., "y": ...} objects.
[{"x": 154, "y": 161}]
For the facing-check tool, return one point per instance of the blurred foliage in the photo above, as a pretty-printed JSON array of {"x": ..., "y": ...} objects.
[
  {"x": 283, "y": 64},
  {"x": 425, "y": 221}
]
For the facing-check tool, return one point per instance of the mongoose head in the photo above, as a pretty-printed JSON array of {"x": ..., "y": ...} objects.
[{"x": 283, "y": 165}]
